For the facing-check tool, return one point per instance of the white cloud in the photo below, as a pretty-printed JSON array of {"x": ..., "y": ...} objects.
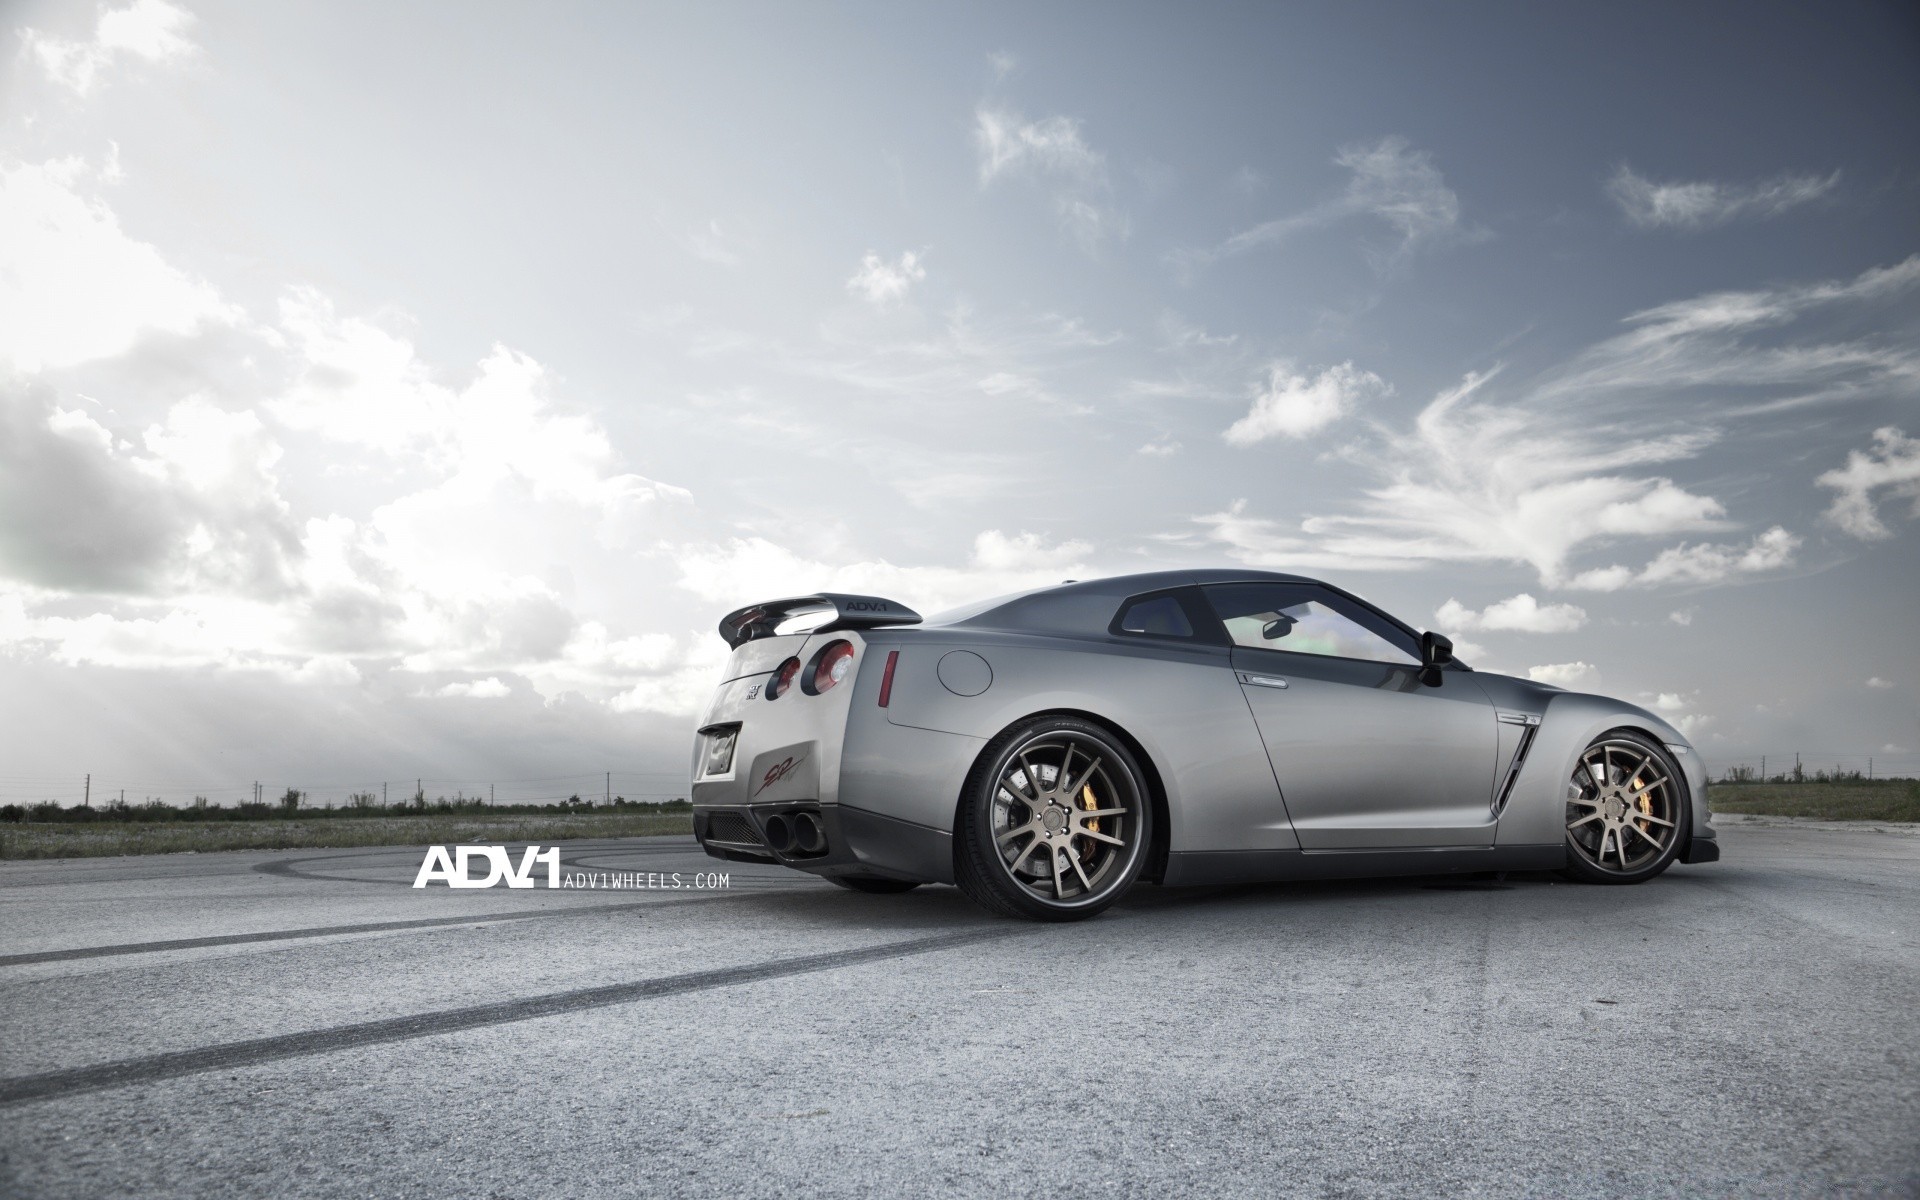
[
  {"x": 1007, "y": 142},
  {"x": 1550, "y": 470},
  {"x": 750, "y": 569},
  {"x": 1052, "y": 152},
  {"x": 1681, "y": 616},
  {"x": 1678, "y": 710},
  {"x": 1298, "y": 406},
  {"x": 1521, "y": 613},
  {"x": 1698, "y": 205},
  {"x": 713, "y": 243},
  {"x": 1711, "y": 343},
  {"x": 152, "y": 30},
  {"x": 1703, "y": 563},
  {"x": 359, "y": 384},
  {"x": 1879, "y": 683},
  {"x": 73, "y": 286},
  {"x": 1893, "y": 464},
  {"x": 168, "y": 543},
  {"x": 1092, "y": 224},
  {"x": 196, "y": 506},
  {"x": 1181, "y": 334},
  {"x": 478, "y": 689},
  {"x": 1566, "y": 675},
  {"x": 882, "y": 282},
  {"x": 1391, "y": 182},
  {"x": 327, "y": 670},
  {"x": 1159, "y": 449},
  {"x": 1479, "y": 482}
]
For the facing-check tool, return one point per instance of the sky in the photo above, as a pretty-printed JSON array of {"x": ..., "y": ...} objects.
[{"x": 396, "y": 391}]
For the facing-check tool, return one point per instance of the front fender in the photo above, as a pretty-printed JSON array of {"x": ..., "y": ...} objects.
[{"x": 1536, "y": 812}]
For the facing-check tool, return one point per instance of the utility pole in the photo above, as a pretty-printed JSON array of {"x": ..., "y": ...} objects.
[
  {"x": 1869, "y": 768},
  {"x": 383, "y": 793},
  {"x": 86, "y": 797},
  {"x": 489, "y": 795},
  {"x": 1763, "y": 768},
  {"x": 609, "y": 787}
]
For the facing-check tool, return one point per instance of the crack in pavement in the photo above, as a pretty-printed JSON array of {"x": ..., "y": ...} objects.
[{"x": 253, "y": 1052}]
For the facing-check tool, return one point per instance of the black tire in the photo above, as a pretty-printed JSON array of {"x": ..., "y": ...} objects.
[
  {"x": 1004, "y": 812},
  {"x": 1648, "y": 795},
  {"x": 873, "y": 885}
]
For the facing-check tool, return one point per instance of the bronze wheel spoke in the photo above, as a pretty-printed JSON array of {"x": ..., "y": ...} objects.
[
  {"x": 1086, "y": 776},
  {"x": 1025, "y": 851},
  {"x": 1073, "y": 860}
]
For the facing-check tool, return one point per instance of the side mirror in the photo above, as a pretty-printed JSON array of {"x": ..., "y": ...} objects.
[{"x": 1436, "y": 651}]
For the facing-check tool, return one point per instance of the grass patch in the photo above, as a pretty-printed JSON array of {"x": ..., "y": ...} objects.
[
  {"x": 1861, "y": 800},
  {"x": 99, "y": 839}
]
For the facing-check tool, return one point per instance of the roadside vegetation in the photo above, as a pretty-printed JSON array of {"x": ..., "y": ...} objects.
[
  {"x": 1832, "y": 799},
  {"x": 50, "y": 831}
]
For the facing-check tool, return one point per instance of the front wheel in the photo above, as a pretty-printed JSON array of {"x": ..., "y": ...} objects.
[
  {"x": 1055, "y": 822},
  {"x": 1627, "y": 811}
]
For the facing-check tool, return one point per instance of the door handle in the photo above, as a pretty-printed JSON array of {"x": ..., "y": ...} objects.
[{"x": 1272, "y": 681}]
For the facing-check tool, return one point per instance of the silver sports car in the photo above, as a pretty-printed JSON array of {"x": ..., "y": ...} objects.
[{"x": 1045, "y": 751}]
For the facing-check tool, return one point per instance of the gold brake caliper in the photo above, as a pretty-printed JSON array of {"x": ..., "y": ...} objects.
[{"x": 1088, "y": 802}]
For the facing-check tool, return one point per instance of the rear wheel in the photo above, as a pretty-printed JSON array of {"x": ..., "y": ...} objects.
[
  {"x": 1627, "y": 811},
  {"x": 1055, "y": 822},
  {"x": 873, "y": 884}
]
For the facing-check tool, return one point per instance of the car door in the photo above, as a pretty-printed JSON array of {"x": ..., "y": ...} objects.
[{"x": 1367, "y": 757}]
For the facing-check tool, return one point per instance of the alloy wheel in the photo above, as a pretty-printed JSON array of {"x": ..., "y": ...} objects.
[
  {"x": 1065, "y": 818},
  {"x": 1623, "y": 806}
]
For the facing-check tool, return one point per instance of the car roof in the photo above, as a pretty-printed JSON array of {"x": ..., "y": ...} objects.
[{"x": 1086, "y": 605}]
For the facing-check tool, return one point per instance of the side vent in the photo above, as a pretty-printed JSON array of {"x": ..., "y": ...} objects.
[{"x": 1531, "y": 728}]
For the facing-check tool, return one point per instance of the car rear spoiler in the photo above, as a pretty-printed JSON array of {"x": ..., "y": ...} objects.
[{"x": 849, "y": 612}]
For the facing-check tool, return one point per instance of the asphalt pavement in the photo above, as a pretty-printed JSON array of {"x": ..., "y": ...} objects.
[{"x": 306, "y": 1023}]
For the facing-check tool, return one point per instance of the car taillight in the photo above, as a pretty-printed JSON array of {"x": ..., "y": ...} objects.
[
  {"x": 832, "y": 665},
  {"x": 783, "y": 678},
  {"x": 886, "y": 677}
]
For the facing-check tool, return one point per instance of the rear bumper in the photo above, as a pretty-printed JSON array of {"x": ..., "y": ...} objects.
[{"x": 858, "y": 842}]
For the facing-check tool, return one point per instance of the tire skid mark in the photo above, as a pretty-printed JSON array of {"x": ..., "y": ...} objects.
[
  {"x": 288, "y": 935},
  {"x": 52, "y": 1085}
]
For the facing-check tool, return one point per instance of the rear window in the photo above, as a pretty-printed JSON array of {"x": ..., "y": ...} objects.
[{"x": 1155, "y": 616}]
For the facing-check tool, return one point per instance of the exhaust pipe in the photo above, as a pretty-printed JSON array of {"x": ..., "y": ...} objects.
[
  {"x": 808, "y": 835},
  {"x": 779, "y": 833}
]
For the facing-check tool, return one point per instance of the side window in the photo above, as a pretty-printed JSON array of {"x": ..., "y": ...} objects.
[
  {"x": 1303, "y": 618},
  {"x": 1154, "y": 616}
]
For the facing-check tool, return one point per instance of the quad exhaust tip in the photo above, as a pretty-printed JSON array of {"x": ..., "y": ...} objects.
[
  {"x": 808, "y": 835},
  {"x": 779, "y": 834},
  {"x": 795, "y": 833}
]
